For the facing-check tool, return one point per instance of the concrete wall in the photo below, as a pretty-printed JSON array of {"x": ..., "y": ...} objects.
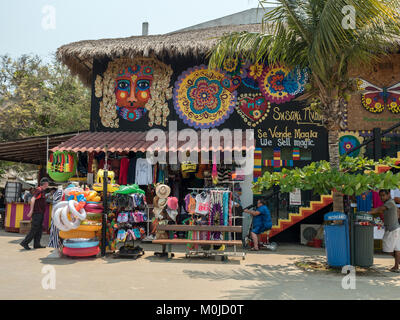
[{"x": 251, "y": 16}]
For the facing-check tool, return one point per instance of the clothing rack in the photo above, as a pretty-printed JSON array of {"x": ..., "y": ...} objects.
[{"x": 206, "y": 189}]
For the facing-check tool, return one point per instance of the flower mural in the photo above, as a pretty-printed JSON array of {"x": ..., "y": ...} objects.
[
  {"x": 349, "y": 140},
  {"x": 250, "y": 73},
  {"x": 204, "y": 98},
  {"x": 280, "y": 84},
  {"x": 204, "y": 95}
]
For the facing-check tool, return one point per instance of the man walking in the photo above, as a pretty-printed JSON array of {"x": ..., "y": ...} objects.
[
  {"x": 391, "y": 238},
  {"x": 38, "y": 207}
]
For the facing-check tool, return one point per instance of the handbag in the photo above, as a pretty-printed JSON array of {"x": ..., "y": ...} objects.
[{"x": 188, "y": 167}]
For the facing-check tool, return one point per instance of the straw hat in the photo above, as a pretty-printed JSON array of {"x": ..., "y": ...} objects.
[
  {"x": 163, "y": 191},
  {"x": 159, "y": 202},
  {"x": 157, "y": 212}
]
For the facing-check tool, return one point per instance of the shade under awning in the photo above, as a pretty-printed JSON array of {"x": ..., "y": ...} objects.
[
  {"x": 136, "y": 141},
  {"x": 31, "y": 150}
]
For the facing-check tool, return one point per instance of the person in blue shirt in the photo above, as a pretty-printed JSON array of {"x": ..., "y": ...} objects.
[{"x": 261, "y": 222}]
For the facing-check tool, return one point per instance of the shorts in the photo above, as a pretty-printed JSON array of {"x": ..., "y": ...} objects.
[
  {"x": 391, "y": 241},
  {"x": 260, "y": 229}
]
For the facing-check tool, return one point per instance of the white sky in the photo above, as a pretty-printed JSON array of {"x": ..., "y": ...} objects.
[{"x": 22, "y": 30}]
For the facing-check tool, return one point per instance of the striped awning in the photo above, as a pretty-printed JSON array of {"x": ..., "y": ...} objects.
[{"x": 136, "y": 141}]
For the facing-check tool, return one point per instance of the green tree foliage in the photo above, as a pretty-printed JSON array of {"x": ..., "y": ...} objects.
[
  {"x": 38, "y": 98},
  {"x": 355, "y": 176}
]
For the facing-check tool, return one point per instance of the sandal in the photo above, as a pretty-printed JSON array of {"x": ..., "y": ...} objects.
[
  {"x": 254, "y": 249},
  {"x": 395, "y": 270}
]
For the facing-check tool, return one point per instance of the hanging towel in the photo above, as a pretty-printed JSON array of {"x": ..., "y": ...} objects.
[{"x": 123, "y": 171}]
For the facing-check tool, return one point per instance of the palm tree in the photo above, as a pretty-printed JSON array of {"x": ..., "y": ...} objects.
[{"x": 327, "y": 37}]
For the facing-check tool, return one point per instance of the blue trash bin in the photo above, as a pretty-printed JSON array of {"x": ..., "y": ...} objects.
[{"x": 337, "y": 240}]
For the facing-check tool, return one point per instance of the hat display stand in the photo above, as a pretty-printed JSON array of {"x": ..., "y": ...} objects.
[{"x": 160, "y": 204}]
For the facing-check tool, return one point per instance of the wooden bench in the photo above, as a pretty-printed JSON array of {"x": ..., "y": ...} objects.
[{"x": 167, "y": 243}]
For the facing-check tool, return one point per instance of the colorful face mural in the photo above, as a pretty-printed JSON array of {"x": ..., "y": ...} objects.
[
  {"x": 203, "y": 98},
  {"x": 132, "y": 88},
  {"x": 375, "y": 99},
  {"x": 253, "y": 108},
  {"x": 279, "y": 84}
]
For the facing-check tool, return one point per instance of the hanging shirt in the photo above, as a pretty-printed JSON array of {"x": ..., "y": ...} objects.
[
  {"x": 144, "y": 172},
  {"x": 131, "y": 169},
  {"x": 202, "y": 204},
  {"x": 123, "y": 171},
  {"x": 376, "y": 200},
  {"x": 364, "y": 202},
  {"x": 190, "y": 204}
]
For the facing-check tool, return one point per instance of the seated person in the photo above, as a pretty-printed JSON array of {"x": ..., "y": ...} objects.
[{"x": 261, "y": 222}]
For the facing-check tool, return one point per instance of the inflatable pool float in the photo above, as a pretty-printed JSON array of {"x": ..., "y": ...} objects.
[
  {"x": 94, "y": 216},
  {"x": 66, "y": 217},
  {"x": 93, "y": 205},
  {"x": 72, "y": 234},
  {"x": 81, "y": 252},
  {"x": 97, "y": 211},
  {"x": 81, "y": 243},
  {"x": 111, "y": 187},
  {"x": 129, "y": 189},
  {"x": 90, "y": 228}
]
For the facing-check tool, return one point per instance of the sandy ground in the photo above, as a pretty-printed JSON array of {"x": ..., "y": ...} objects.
[{"x": 264, "y": 275}]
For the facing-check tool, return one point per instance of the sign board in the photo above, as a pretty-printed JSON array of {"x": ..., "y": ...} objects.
[{"x": 295, "y": 198}]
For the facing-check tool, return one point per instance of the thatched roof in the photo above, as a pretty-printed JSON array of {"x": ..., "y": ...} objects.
[{"x": 78, "y": 56}]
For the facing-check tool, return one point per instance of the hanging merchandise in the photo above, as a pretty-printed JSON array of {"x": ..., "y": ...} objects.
[
  {"x": 128, "y": 202},
  {"x": 144, "y": 172},
  {"x": 188, "y": 167},
  {"x": 123, "y": 171},
  {"x": 214, "y": 172},
  {"x": 203, "y": 203},
  {"x": 134, "y": 188},
  {"x": 190, "y": 202},
  {"x": 111, "y": 187},
  {"x": 62, "y": 165},
  {"x": 172, "y": 209}
]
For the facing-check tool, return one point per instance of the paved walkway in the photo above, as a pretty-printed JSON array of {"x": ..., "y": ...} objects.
[{"x": 264, "y": 275}]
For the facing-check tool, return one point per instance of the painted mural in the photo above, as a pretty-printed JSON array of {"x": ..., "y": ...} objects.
[
  {"x": 143, "y": 93},
  {"x": 134, "y": 90},
  {"x": 251, "y": 73},
  {"x": 205, "y": 98},
  {"x": 349, "y": 140},
  {"x": 376, "y": 99},
  {"x": 253, "y": 108},
  {"x": 279, "y": 84}
]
